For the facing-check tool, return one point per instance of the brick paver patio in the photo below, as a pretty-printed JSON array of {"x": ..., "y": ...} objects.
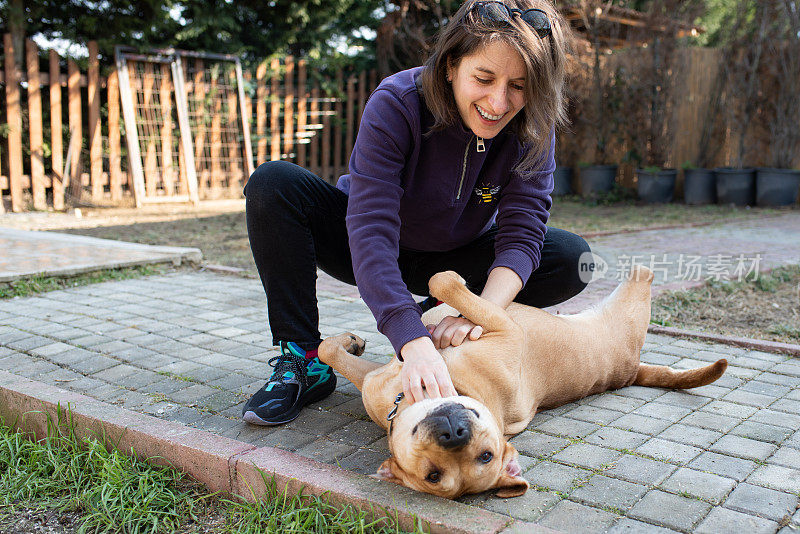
[{"x": 192, "y": 346}]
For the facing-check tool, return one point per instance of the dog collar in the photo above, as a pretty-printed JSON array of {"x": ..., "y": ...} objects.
[{"x": 393, "y": 413}]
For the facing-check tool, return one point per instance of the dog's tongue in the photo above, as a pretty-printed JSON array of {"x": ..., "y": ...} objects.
[{"x": 513, "y": 468}]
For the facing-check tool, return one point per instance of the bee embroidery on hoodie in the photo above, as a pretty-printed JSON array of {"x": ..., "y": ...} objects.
[{"x": 486, "y": 194}]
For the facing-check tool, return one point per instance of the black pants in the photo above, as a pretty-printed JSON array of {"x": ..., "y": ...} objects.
[{"x": 296, "y": 223}]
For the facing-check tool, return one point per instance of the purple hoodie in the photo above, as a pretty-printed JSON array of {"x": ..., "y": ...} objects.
[{"x": 433, "y": 193}]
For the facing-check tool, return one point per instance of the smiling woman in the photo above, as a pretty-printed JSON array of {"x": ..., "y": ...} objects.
[{"x": 451, "y": 170}]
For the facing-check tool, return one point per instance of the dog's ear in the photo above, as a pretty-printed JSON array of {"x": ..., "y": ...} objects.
[
  {"x": 390, "y": 471},
  {"x": 510, "y": 483}
]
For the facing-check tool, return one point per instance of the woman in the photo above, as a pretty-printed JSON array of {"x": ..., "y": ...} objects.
[{"x": 451, "y": 170}]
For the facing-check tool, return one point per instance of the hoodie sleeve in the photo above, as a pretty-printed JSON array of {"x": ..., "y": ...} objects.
[
  {"x": 377, "y": 164},
  {"x": 522, "y": 217}
]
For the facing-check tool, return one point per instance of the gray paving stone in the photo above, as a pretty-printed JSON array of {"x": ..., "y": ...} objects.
[
  {"x": 611, "y": 401},
  {"x": 529, "y": 507},
  {"x": 358, "y": 433},
  {"x": 669, "y": 451},
  {"x": 605, "y": 492},
  {"x": 532, "y": 443},
  {"x": 729, "y": 409},
  {"x": 762, "y": 432},
  {"x": 593, "y": 414},
  {"x": 51, "y": 349},
  {"x": 569, "y": 428},
  {"x": 777, "y": 477},
  {"x": 326, "y": 451},
  {"x": 641, "y": 424},
  {"x": 745, "y": 397},
  {"x": 763, "y": 502},
  {"x": 616, "y": 438},
  {"x": 683, "y": 399},
  {"x": 640, "y": 470},
  {"x": 363, "y": 461},
  {"x": 640, "y": 392},
  {"x": 557, "y": 477},
  {"x": 117, "y": 373},
  {"x": 786, "y": 405},
  {"x": 627, "y": 525},
  {"x": 215, "y": 423},
  {"x": 765, "y": 388},
  {"x": 587, "y": 455},
  {"x": 94, "y": 364},
  {"x": 565, "y": 515},
  {"x": 781, "y": 419},
  {"x": 192, "y": 394},
  {"x": 727, "y": 466},
  {"x": 671, "y": 511},
  {"x": 707, "y": 486},
  {"x": 660, "y": 410},
  {"x": 743, "y": 447},
  {"x": 322, "y": 423},
  {"x": 787, "y": 457},
  {"x": 711, "y": 421},
  {"x": 724, "y": 520},
  {"x": 698, "y": 437}
]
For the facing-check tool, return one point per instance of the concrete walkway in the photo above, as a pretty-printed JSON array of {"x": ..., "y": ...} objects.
[{"x": 192, "y": 346}]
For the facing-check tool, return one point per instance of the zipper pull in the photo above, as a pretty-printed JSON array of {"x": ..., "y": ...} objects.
[{"x": 480, "y": 146}]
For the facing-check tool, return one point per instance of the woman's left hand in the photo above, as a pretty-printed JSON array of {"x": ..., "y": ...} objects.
[{"x": 453, "y": 331}]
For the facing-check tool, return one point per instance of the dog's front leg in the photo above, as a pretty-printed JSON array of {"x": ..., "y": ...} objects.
[{"x": 341, "y": 352}]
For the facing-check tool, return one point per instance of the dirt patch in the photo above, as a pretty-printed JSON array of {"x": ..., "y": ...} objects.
[{"x": 765, "y": 308}]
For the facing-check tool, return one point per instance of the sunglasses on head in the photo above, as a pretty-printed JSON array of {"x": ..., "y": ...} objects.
[{"x": 499, "y": 13}]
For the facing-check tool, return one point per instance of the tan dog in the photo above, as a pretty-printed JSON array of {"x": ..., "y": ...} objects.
[{"x": 526, "y": 360}]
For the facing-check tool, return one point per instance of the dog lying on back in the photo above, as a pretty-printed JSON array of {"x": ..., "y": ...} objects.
[{"x": 525, "y": 361}]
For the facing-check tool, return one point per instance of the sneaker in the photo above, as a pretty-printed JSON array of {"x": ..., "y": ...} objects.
[{"x": 295, "y": 382}]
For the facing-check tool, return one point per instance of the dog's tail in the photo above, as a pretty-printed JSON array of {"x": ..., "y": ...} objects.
[{"x": 660, "y": 376}]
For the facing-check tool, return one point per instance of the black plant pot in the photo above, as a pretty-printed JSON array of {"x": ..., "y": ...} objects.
[
  {"x": 562, "y": 181},
  {"x": 596, "y": 179},
  {"x": 699, "y": 186},
  {"x": 777, "y": 187},
  {"x": 736, "y": 186},
  {"x": 656, "y": 187}
]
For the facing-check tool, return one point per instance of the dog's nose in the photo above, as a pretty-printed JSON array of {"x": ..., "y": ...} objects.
[{"x": 451, "y": 430}]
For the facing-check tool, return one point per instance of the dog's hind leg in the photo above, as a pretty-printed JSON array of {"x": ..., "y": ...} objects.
[
  {"x": 449, "y": 288},
  {"x": 341, "y": 352}
]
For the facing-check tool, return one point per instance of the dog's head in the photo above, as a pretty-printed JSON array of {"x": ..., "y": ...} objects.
[{"x": 450, "y": 447}]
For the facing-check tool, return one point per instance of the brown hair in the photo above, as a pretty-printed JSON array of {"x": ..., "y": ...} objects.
[{"x": 544, "y": 60}]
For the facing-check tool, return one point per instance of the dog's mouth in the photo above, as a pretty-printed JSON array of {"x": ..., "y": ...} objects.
[{"x": 450, "y": 425}]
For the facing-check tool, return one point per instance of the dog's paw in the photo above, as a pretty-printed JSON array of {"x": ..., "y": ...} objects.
[
  {"x": 440, "y": 283},
  {"x": 355, "y": 345}
]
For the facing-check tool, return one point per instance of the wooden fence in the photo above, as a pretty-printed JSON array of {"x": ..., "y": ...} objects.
[{"x": 79, "y": 155}]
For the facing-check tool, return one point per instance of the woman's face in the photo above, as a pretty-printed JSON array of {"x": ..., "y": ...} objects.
[{"x": 488, "y": 86}]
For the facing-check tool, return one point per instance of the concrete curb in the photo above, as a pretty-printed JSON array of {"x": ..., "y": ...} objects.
[
  {"x": 156, "y": 254},
  {"x": 748, "y": 343},
  {"x": 233, "y": 467}
]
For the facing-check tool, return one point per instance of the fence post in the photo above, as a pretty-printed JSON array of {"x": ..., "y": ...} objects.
[
  {"x": 216, "y": 142},
  {"x": 75, "y": 129},
  {"x": 35, "y": 126},
  {"x": 234, "y": 150},
  {"x": 302, "y": 117},
  {"x": 165, "y": 96},
  {"x": 114, "y": 151},
  {"x": 288, "y": 108},
  {"x": 199, "y": 95},
  {"x": 313, "y": 155},
  {"x": 14, "y": 115},
  {"x": 261, "y": 113},
  {"x": 95, "y": 137},
  {"x": 326, "y": 139},
  {"x": 56, "y": 143},
  {"x": 337, "y": 127},
  {"x": 351, "y": 96},
  {"x": 275, "y": 111},
  {"x": 362, "y": 96}
]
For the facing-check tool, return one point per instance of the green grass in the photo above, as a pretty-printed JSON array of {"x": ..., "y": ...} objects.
[
  {"x": 26, "y": 287},
  {"x": 109, "y": 491}
]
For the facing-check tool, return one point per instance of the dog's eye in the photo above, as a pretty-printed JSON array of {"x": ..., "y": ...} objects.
[
  {"x": 434, "y": 477},
  {"x": 486, "y": 457}
]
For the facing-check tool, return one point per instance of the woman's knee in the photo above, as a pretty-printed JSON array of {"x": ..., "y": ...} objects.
[{"x": 272, "y": 177}]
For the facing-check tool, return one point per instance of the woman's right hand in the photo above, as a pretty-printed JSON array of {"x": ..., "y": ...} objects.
[{"x": 423, "y": 365}]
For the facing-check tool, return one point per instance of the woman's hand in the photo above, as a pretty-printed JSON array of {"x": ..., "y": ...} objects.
[
  {"x": 453, "y": 331},
  {"x": 424, "y": 366}
]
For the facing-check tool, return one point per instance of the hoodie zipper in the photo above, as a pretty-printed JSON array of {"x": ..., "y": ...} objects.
[{"x": 480, "y": 148}]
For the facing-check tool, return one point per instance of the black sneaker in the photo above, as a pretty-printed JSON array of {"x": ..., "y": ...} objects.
[{"x": 295, "y": 382}]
